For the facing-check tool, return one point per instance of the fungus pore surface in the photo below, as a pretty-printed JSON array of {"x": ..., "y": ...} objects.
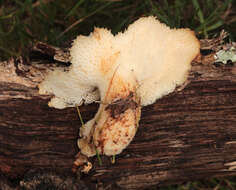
[{"x": 124, "y": 72}]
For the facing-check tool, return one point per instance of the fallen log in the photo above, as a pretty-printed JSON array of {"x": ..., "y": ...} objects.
[{"x": 187, "y": 135}]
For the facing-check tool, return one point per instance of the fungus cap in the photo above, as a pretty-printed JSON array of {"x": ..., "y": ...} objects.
[{"x": 125, "y": 71}]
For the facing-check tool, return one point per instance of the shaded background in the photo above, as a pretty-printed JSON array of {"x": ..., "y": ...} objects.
[{"x": 57, "y": 22}]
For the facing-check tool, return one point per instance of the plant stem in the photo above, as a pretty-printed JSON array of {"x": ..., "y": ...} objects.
[
  {"x": 200, "y": 16},
  {"x": 99, "y": 158},
  {"x": 80, "y": 117},
  {"x": 113, "y": 160}
]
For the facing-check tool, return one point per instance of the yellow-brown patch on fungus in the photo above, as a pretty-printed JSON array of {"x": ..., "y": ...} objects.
[{"x": 106, "y": 64}]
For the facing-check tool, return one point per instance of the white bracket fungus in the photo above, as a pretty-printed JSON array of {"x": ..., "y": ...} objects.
[{"x": 125, "y": 71}]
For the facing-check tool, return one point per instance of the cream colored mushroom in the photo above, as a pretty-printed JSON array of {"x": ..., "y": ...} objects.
[{"x": 125, "y": 71}]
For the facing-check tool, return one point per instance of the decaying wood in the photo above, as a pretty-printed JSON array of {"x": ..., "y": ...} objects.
[{"x": 187, "y": 135}]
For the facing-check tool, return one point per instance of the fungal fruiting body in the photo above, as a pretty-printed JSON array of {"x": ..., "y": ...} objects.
[
  {"x": 115, "y": 123},
  {"x": 124, "y": 72}
]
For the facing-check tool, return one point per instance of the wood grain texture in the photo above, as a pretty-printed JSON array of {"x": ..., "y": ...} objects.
[{"x": 187, "y": 135}]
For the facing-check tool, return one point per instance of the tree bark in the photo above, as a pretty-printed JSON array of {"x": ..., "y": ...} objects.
[{"x": 187, "y": 135}]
